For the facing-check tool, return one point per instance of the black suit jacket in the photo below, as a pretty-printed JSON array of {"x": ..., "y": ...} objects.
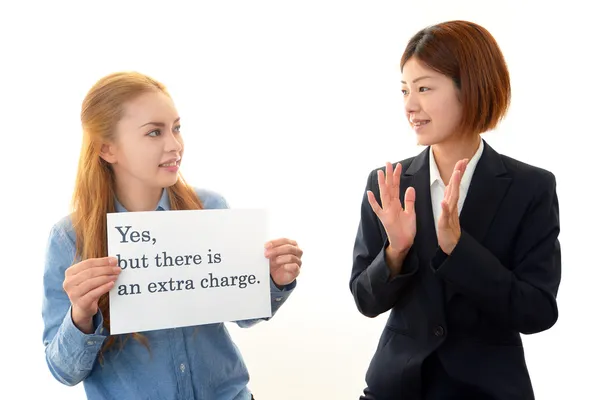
[{"x": 471, "y": 306}]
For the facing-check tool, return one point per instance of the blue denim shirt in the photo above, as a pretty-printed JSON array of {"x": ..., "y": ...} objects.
[{"x": 199, "y": 363}]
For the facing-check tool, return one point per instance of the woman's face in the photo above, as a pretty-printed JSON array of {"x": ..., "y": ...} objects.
[
  {"x": 431, "y": 103},
  {"x": 148, "y": 146}
]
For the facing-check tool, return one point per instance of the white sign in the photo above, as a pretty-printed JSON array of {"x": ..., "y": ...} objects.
[{"x": 183, "y": 268}]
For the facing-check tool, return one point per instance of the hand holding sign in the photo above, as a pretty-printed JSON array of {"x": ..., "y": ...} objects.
[
  {"x": 84, "y": 283},
  {"x": 284, "y": 260}
]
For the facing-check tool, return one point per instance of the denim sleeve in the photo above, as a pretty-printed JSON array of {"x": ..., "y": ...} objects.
[
  {"x": 278, "y": 297},
  {"x": 70, "y": 354},
  {"x": 213, "y": 200}
]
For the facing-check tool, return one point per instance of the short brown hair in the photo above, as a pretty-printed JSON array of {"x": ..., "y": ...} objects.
[{"x": 469, "y": 55}]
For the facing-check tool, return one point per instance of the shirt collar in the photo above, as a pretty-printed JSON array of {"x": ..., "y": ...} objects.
[
  {"x": 163, "y": 203},
  {"x": 434, "y": 172}
]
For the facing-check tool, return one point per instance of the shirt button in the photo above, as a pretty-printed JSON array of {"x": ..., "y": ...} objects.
[
  {"x": 90, "y": 342},
  {"x": 278, "y": 298},
  {"x": 439, "y": 331},
  {"x": 182, "y": 368}
]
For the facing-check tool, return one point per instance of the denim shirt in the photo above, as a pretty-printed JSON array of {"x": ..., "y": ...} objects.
[{"x": 199, "y": 362}]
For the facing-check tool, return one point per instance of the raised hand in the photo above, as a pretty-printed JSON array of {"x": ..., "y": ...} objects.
[
  {"x": 285, "y": 260},
  {"x": 449, "y": 224},
  {"x": 84, "y": 283},
  {"x": 400, "y": 223}
]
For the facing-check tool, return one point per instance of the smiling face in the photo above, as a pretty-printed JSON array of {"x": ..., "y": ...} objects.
[
  {"x": 146, "y": 152},
  {"x": 431, "y": 102}
]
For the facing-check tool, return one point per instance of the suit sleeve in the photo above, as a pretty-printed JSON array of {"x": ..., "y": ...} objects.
[
  {"x": 373, "y": 291},
  {"x": 523, "y": 299}
]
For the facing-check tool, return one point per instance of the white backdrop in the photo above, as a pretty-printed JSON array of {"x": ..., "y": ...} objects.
[{"x": 288, "y": 106}]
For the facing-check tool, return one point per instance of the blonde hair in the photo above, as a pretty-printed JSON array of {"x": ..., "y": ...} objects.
[{"x": 94, "y": 192}]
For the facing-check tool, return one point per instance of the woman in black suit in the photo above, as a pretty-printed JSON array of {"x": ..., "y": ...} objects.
[{"x": 459, "y": 242}]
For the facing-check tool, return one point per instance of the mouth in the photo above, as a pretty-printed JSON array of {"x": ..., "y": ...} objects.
[
  {"x": 171, "y": 163},
  {"x": 419, "y": 123}
]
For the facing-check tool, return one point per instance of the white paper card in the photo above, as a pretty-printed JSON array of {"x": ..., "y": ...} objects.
[{"x": 183, "y": 268}]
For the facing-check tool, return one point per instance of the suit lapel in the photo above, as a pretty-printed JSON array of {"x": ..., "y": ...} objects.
[
  {"x": 418, "y": 171},
  {"x": 426, "y": 242},
  {"x": 486, "y": 192}
]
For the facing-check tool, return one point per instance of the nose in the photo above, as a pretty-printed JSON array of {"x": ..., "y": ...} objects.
[
  {"x": 411, "y": 104},
  {"x": 174, "y": 143}
]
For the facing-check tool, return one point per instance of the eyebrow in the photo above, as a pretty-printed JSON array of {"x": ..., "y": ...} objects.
[
  {"x": 159, "y": 123},
  {"x": 419, "y": 78}
]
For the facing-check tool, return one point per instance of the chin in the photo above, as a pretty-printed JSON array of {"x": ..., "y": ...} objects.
[
  {"x": 430, "y": 138},
  {"x": 167, "y": 182},
  {"x": 423, "y": 140}
]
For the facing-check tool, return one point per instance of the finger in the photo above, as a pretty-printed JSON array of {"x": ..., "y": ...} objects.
[
  {"x": 282, "y": 250},
  {"x": 449, "y": 213},
  {"x": 91, "y": 263},
  {"x": 452, "y": 192},
  {"x": 286, "y": 275},
  {"x": 409, "y": 200},
  {"x": 279, "y": 242},
  {"x": 395, "y": 189},
  {"x": 443, "y": 221},
  {"x": 293, "y": 269},
  {"x": 464, "y": 166},
  {"x": 287, "y": 259},
  {"x": 91, "y": 273},
  {"x": 383, "y": 189},
  {"x": 373, "y": 202},
  {"x": 82, "y": 290},
  {"x": 450, "y": 189},
  {"x": 389, "y": 174},
  {"x": 95, "y": 294},
  {"x": 460, "y": 163},
  {"x": 456, "y": 178},
  {"x": 285, "y": 249}
]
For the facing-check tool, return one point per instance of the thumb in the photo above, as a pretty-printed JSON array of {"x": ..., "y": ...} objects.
[{"x": 373, "y": 203}]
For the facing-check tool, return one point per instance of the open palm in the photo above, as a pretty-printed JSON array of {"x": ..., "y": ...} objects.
[{"x": 400, "y": 223}]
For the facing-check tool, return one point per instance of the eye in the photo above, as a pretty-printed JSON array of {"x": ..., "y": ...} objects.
[
  {"x": 404, "y": 92},
  {"x": 177, "y": 129},
  {"x": 423, "y": 89},
  {"x": 154, "y": 133}
]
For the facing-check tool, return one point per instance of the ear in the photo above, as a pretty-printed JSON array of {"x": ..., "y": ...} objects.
[{"x": 108, "y": 154}]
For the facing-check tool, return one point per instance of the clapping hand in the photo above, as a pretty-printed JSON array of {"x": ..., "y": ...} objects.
[
  {"x": 448, "y": 224},
  {"x": 400, "y": 223}
]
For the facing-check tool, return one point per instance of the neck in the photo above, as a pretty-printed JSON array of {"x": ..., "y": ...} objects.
[
  {"x": 137, "y": 198},
  {"x": 449, "y": 152}
]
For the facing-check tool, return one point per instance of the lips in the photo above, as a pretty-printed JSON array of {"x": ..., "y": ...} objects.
[
  {"x": 420, "y": 122},
  {"x": 170, "y": 163}
]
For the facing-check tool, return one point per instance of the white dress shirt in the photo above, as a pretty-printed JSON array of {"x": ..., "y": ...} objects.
[{"x": 437, "y": 186}]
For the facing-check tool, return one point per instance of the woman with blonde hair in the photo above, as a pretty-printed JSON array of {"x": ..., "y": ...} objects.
[{"x": 130, "y": 157}]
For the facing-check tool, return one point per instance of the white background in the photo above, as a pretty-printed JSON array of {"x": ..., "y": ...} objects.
[{"x": 289, "y": 105}]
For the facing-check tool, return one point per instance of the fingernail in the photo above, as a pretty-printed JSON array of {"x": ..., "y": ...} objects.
[
  {"x": 112, "y": 261},
  {"x": 268, "y": 245}
]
